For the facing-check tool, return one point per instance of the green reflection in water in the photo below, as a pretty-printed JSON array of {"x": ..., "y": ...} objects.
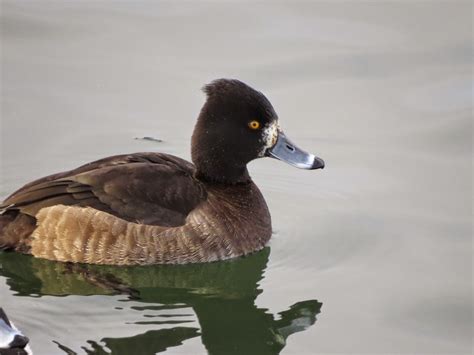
[{"x": 222, "y": 295}]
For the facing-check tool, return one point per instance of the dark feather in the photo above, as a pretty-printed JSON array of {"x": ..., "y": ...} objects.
[{"x": 152, "y": 188}]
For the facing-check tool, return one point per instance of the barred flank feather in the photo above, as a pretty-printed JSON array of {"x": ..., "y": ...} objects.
[{"x": 87, "y": 235}]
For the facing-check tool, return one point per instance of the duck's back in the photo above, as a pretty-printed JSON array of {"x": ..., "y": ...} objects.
[{"x": 146, "y": 188}]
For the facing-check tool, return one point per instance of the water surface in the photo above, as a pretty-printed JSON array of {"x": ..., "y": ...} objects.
[{"x": 371, "y": 255}]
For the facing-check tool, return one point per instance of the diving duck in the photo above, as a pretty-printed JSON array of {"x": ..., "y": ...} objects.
[{"x": 155, "y": 208}]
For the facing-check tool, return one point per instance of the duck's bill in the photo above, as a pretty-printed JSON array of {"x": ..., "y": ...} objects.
[{"x": 288, "y": 152}]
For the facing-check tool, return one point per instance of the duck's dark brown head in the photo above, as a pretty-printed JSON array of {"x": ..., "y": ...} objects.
[{"x": 238, "y": 124}]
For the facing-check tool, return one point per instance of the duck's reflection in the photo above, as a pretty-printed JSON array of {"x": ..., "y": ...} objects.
[{"x": 222, "y": 294}]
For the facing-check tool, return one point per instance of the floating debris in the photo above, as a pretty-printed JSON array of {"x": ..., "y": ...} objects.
[{"x": 152, "y": 139}]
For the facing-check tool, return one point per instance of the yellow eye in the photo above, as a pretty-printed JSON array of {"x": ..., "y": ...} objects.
[{"x": 254, "y": 125}]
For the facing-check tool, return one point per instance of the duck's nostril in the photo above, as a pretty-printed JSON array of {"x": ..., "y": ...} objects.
[{"x": 290, "y": 148}]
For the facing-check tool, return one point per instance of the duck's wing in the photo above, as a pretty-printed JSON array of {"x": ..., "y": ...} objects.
[{"x": 148, "y": 188}]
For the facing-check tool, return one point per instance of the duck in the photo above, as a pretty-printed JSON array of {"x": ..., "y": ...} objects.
[
  {"x": 155, "y": 208},
  {"x": 12, "y": 341}
]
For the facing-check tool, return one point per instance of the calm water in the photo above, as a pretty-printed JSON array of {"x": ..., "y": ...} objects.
[{"x": 371, "y": 255}]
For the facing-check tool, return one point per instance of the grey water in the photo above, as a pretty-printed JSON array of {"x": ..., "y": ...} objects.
[{"x": 373, "y": 254}]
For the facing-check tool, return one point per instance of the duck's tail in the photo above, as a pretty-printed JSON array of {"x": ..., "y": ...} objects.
[{"x": 15, "y": 229}]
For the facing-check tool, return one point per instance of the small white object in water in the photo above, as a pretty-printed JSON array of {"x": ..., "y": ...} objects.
[{"x": 11, "y": 337}]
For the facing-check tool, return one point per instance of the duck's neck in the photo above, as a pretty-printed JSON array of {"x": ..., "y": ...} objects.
[{"x": 222, "y": 173}]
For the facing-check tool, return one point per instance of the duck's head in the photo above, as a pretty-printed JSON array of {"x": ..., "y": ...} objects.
[{"x": 238, "y": 124}]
